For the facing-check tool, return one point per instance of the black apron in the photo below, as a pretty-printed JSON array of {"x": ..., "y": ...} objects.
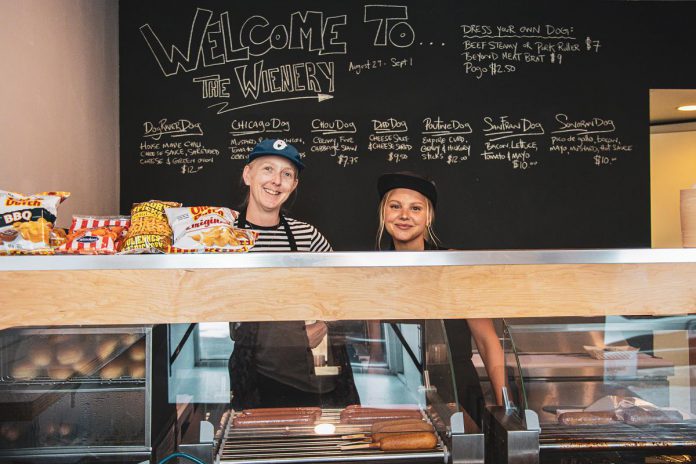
[{"x": 244, "y": 378}]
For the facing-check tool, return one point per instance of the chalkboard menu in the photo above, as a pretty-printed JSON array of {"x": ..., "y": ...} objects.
[{"x": 532, "y": 117}]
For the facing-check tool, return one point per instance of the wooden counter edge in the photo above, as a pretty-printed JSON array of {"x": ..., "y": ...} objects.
[{"x": 109, "y": 297}]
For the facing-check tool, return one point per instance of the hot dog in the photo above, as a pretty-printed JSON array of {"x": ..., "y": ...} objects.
[
  {"x": 587, "y": 418},
  {"x": 639, "y": 416},
  {"x": 299, "y": 410},
  {"x": 383, "y": 406},
  {"x": 409, "y": 441},
  {"x": 368, "y": 415},
  {"x": 273, "y": 420},
  {"x": 401, "y": 425}
]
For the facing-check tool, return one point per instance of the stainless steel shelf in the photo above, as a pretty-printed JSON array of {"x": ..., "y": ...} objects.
[{"x": 347, "y": 259}]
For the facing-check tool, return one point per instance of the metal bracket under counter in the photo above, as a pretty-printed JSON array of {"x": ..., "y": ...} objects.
[{"x": 153, "y": 289}]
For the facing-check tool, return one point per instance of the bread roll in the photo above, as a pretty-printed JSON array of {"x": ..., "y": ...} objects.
[
  {"x": 130, "y": 339},
  {"x": 61, "y": 338},
  {"x": 69, "y": 353},
  {"x": 137, "y": 352},
  {"x": 10, "y": 432},
  {"x": 66, "y": 430},
  {"x": 60, "y": 372},
  {"x": 41, "y": 356},
  {"x": 137, "y": 370},
  {"x": 106, "y": 347},
  {"x": 83, "y": 368},
  {"x": 113, "y": 370},
  {"x": 24, "y": 370},
  {"x": 50, "y": 430}
]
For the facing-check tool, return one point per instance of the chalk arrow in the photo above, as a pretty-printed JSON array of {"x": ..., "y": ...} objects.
[{"x": 320, "y": 97}]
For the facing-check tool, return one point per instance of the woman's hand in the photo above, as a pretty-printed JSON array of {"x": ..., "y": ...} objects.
[{"x": 316, "y": 333}]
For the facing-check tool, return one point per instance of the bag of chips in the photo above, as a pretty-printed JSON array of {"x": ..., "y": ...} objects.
[
  {"x": 26, "y": 221},
  {"x": 201, "y": 229},
  {"x": 95, "y": 235},
  {"x": 149, "y": 230}
]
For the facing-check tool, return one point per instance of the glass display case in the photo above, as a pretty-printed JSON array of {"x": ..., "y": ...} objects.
[
  {"x": 617, "y": 391},
  {"x": 76, "y": 394},
  {"x": 380, "y": 391}
]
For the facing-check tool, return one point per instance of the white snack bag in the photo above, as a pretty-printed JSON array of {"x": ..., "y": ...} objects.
[{"x": 199, "y": 229}]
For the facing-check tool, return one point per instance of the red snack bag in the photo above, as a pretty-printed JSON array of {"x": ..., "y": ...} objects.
[{"x": 95, "y": 235}]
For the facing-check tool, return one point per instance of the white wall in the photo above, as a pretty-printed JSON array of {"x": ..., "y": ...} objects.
[
  {"x": 59, "y": 101},
  {"x": 672, "y": 168}
]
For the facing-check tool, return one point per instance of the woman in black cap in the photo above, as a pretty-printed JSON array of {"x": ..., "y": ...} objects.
[
  {"x": 272, "y": 364},
  {"x": 406, "y": 214}
]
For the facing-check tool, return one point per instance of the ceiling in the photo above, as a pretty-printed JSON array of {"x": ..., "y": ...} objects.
[{"x": 664, "y": 103}]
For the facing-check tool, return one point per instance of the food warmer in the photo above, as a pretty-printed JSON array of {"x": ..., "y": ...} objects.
[
  {"x": 403, "y": 367},
  {"x": 621, "y": 391},
  {"x": 83, "y": 394}
]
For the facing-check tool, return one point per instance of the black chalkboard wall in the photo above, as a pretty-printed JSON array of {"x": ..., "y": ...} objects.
[{"x": 532, "y": 117}]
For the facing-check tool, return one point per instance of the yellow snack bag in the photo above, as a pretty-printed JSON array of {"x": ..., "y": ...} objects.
[{"x": 149, "y": 230}]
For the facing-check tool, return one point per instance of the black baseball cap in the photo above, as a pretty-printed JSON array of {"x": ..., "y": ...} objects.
[{"x": 407, "y": 180}]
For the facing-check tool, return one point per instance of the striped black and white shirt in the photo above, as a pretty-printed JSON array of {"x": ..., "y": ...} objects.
[{"x": 274, "y": 238}]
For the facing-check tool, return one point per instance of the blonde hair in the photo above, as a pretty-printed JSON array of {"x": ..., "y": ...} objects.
[{"x": 430, "y": 236}]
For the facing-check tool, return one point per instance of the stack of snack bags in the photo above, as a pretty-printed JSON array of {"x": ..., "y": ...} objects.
[{"x": 26, "y": 227}]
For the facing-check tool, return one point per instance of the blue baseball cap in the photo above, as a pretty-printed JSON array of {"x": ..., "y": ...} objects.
[{"x": 276, "y": 147}]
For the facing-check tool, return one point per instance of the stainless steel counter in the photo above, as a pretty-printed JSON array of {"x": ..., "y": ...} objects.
[{"x": 347, "y": 259}]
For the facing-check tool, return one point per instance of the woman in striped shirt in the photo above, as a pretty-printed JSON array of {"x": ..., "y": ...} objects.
[{"x": 272, "y": 363}]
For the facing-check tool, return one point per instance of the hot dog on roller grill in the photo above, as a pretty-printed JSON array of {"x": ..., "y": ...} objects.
[
  {"x": 298, "y": 410},
  {"x": 587, "y": 418},
  {"x": 638, "y": 416},
  {"x": 413, "y": 407},
  {"x": 402, "y": 425},
  {"x": 368, "y": 416},
  {"x": 273, "y": 420}
]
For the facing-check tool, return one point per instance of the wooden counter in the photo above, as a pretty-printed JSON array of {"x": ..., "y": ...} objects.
[{"x": 173, "y": 289}]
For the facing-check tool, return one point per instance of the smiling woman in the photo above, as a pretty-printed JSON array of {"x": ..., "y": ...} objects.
[
  {"x": 272, "y": 363},
  {"x": 406, "y": 213}
]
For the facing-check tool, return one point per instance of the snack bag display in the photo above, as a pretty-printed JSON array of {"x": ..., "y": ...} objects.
[
  {"x": 201, "y": 229},
  {"x": 95, "y": 235},
  {"x": 149, "y": 230},
  {"x": 26, "y": 221}
]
